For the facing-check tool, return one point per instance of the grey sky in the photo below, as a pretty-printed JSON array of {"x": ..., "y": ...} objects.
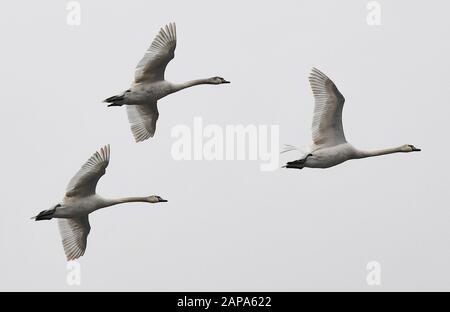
[{"x": 229, "y": 226}]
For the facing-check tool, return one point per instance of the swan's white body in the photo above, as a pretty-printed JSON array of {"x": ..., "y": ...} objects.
[
  {"x": 330, "y": 147},
  {"x": 80, "y": 200},
  {"x": 150, "y": 85}
]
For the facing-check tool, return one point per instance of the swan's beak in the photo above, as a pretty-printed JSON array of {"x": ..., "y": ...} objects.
[
  {"x": 415, "y": 149},
  {"x": 226, "y": 81},
  {"x": 163, "y": 200}
]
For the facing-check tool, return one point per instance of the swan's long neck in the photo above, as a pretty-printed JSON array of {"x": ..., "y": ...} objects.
[
  {"x": 364, "y": 154},
  {"x": 117, "y": 201},
  {"x": 180, "y": 86}
]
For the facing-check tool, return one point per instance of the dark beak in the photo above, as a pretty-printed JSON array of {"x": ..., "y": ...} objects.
[
  {"x": 225, "y": 81},
  {"x": 163, "y": 200}
]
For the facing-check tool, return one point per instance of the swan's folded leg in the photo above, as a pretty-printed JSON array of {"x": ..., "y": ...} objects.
[
  {"x": 45, "y": 215},
  {"x": 297, "y": 164},
  {"x": 292, "y": 167},
  {"x": 115, "y": 104}
]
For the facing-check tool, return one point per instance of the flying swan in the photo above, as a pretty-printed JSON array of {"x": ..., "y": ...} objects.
[
  {"x": 149, "y": 85},
  {"x": 330, "y": 147},
  {"x": 80, "y": 200}
]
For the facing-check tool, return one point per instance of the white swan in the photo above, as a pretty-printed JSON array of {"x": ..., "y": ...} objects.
[
  {"x": 330, "y": 147},
  {"x": 80, "y": 200},
  {"x": 149, "y": 85}
]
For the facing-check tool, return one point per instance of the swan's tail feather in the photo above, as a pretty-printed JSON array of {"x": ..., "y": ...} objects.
[
  {"x": 44, "y": 215},
  {"x": 113, "y": 99},
  {"x": 289, "y": 148}
]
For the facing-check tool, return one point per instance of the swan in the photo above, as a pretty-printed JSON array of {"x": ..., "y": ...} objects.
[
  {"x": 149, "y": 85},
  {"x": 80, "y": 200},
  {"x": 330, "y": 147}
]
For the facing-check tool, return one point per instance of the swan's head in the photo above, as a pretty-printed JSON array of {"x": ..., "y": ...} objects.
[
  {"x": 217, "y": 80},
  {"x": 410, "y": 148},
  {"x": 156, "y": 199}
]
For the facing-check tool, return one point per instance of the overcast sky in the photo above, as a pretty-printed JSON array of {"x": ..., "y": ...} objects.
[{"x": 228, "y": 225}]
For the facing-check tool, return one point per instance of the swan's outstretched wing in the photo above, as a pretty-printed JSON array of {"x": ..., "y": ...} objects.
[
  {"x": 142, "y": 120},
  {"x": 85, "y": 181},
  {"x": 74, "y": 233},
  {"x": 327, "y": 127},
  {"x": 152, "y": 66}
]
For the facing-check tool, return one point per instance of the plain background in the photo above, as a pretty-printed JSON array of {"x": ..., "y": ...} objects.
[{"x": 227, "y": 225}]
